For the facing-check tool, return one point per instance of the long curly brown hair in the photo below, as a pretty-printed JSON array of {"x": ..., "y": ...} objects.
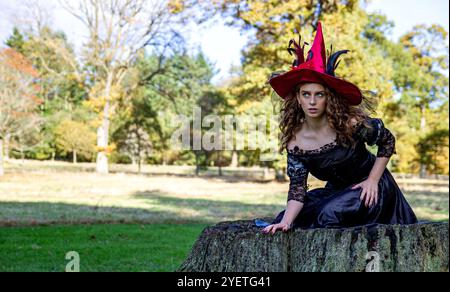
[{"x": 339, "y": 114}]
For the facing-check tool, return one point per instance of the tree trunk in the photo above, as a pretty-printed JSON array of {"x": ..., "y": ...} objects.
[
  {"x": 139, "y": 151},
  {"x": 220, "y": 162},
  {"x": 103, "y": 130},
  {"x": 2, "y": 171},
  {"x": 423, "y": 124},
  {"x": 6, "y": 152},
  {"x": 234, "y": 159},
  {"x": 266, "y": 172},
  {"x": 280, "y": 175},
  {"x": 240, "y": 247},
  {"x": 22, "y": 155},
  {"x": 197, "y": 163},
  {"x": 75, "y": 156},
  {"x": 423, "y": 121},
  {"x": 102, "y": 159}
]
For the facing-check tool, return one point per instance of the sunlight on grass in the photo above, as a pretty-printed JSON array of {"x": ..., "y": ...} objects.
[{"x": 38, "y": 193}]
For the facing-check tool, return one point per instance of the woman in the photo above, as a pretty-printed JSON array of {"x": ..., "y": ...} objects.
[{"x": 324, "y": 129}]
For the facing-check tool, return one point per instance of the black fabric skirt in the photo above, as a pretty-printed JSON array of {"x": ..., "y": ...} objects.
[{"x": 330, "y": 207}]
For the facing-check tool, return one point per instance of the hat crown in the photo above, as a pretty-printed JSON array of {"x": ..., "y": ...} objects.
[{"x": 316, "y": 57}]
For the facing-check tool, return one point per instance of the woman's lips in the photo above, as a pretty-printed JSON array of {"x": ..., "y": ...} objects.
[{"x": 312, "y": 110}]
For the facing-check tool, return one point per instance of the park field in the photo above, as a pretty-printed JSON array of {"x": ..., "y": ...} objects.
[{"x": 126, "y": 221}]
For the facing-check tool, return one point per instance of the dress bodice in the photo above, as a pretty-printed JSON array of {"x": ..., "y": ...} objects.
[{"x": 337, "y": 164}]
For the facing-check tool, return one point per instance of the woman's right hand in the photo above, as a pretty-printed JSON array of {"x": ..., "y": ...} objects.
[{"x": 283, "y": 226}]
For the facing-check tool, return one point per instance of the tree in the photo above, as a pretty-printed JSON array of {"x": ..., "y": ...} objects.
[
  {"x": 183, "y": 86},
  {"x": 118, "y": 30},
  {"x": 18, "y": 101},
  {"x": 16, "y": 41},
  {"x": 61, "y": 82},
  {"x": 427, "y": 86},
  {"x": 412, "y": 68},
  {"x": 156, "y": 102},
  {"x": 418, "y": 60},
  {"x": 62, "y": 79},
  {"x": 430, "y": 54},
  {"x": 433, "y": 151},
  {"x": 76, "y": 138},
  {"x": 136, "y": 144},
  {"x": 273, "y": 24}
]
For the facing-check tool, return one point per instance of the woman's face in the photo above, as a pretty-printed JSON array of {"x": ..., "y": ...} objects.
[{"x": 312, "y": 97}]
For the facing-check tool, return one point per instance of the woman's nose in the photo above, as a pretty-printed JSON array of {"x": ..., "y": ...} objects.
[{"x": 312, "y": 100}]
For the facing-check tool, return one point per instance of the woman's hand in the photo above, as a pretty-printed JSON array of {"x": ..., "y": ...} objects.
[
  {"x": 369, "y": 193},
  {"x": 274, "y": 227}
]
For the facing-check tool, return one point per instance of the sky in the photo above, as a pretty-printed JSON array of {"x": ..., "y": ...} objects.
[{"x": 223, "y": 45}]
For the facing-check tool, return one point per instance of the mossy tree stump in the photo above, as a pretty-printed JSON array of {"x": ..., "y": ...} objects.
[{"x": 240, "y": 246}]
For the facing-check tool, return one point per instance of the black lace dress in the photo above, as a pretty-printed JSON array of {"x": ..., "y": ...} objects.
[{"x": 337, "y": 204}]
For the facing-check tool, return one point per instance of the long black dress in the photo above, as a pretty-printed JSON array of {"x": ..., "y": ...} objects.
[{"x": 337, "y": 204}]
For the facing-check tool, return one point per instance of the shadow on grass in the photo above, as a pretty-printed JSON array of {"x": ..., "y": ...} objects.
[
  {"x": 45, "y": 213},
  {"x": 209, "y": 207},
  {"x": 231, "y": 178},
  {"x": 161, "y": 209},
  {"x": 154, "y": 206}
]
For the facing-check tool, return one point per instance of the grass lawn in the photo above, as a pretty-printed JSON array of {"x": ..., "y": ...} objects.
[
  {"x": 36, "y": 194},
  {"x": 127, "y": 248},
  {"x": 129, "y": 222}
]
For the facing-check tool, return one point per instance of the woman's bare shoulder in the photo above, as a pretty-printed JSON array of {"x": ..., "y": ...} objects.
[{"x": 300, "y": 135}]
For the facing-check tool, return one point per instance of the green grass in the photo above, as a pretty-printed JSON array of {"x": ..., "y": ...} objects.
[
  {"x": 149, "y": 222},
  {"x": 127, "y": 248}
]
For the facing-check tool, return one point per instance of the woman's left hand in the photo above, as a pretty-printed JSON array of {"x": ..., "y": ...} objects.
[{"x": 369, "y": 191}]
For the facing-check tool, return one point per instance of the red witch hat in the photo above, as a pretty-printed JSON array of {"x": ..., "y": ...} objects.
[{"x": 316, "y": 69}]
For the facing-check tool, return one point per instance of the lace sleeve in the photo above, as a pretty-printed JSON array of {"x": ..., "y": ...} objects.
[
  {"x": 298, "y": 174},
  {"x": 378, "y": 135}
]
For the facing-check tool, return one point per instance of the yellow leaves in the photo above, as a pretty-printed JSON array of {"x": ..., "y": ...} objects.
[
  {"x": 95, "y": 123},
  {"x": 71, "y": 77},
  {"x": 245, "y": 106},
  {"x": 232, "y": 102},
  {"x": 176, "y": 6},
  {"x": 97, "y": 98},
  {"x": 75, "y": 136},
  {"x": 96, "y": 104},
  {"x": 108, "y": 149}
]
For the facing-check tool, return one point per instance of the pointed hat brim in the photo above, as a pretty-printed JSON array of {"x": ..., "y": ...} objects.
[{"x": 285, "y": 84}]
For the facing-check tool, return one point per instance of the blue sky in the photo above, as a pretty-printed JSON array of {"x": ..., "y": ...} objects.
[{"x": 223, "y": 44}]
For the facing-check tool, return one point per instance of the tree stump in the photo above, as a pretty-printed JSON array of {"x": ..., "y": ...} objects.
[{"x": 240, "y": 246}]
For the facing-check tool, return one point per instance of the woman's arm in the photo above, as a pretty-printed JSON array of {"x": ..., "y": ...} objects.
[
  {"x": 378, "y": 168},
  {"x": 298, "y": 174},
  {"x": 292, "y": 210},
  {"x": 385, "y": 141},
  {"x": 369, "y": 193}
]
